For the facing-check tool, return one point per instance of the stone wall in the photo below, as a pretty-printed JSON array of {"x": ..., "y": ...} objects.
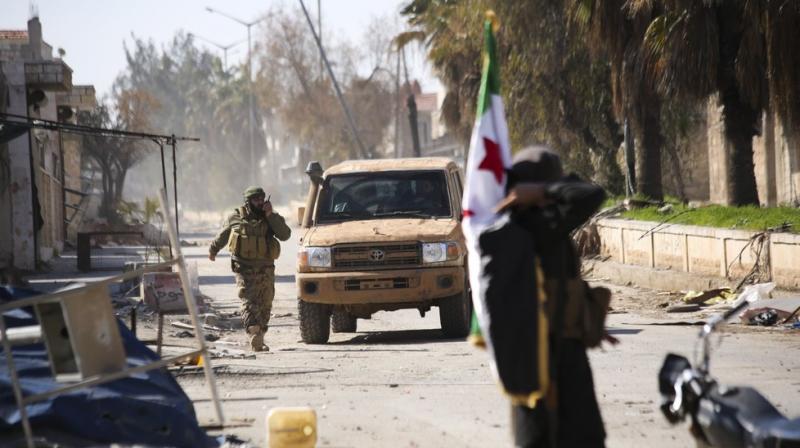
[
  {"x": 21, "y": 186},
  {"x": 699, "y": 250}
]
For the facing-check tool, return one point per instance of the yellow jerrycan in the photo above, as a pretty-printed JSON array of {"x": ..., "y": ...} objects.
[{"x": 292, "y": 427}]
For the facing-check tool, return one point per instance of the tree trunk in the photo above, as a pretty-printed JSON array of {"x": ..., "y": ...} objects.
[
  {"x": 648, "y": 152},
  {"x": 740, "y": 121},
  {"x": 739, "y": 117},
  {"x": 106, "y": 209}
]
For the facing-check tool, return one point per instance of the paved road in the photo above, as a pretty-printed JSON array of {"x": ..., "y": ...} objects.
[{"x": 398, "y": 382}]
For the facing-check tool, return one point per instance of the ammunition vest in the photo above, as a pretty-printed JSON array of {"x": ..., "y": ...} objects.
[
  {"x": 585, "y": 309},
  {"x": 253, "y": 240}
]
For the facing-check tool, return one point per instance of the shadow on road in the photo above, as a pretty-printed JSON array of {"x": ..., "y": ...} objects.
[
  {"x": 284, "y": 279},
  {"x": 223, "y": 279},
  {"x": 624, "y": 331},
  {"x": 399, "y": 337},
  {"x": 201, "y": 400},
  {"x": 217, "y": 279},
  {"x": 190, "y": 256}
]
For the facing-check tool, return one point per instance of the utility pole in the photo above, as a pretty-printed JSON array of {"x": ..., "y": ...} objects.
[
  {"x": 397, "y": 108},
  {"x": 224, "y": 48},
  {"x": 411, "y": 103},
  {"x": 364, "y": 153},
  {"x": 319, "y": 28},
  {"x": 251, "y": 94}
]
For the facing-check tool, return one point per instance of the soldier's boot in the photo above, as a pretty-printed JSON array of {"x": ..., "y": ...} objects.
[{"x": 256, "y": 338}]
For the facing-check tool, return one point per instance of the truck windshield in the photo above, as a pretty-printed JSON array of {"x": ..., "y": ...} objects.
[{"x": 378, "y": 195}]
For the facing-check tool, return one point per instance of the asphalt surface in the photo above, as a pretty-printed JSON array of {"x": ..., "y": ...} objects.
[{"x": 398, "y": 382}]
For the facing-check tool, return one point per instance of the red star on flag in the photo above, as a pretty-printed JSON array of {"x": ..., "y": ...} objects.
[{"x": 492, "y": 161}]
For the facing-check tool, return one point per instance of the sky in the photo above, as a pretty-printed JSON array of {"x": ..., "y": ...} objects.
[{"x": 92, "y": 32}]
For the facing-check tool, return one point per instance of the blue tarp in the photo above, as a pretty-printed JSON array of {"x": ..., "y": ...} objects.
[{"x": 148, "y": 408}]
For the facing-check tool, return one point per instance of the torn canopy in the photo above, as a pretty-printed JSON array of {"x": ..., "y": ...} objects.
[{"x": 146, "y": 408}]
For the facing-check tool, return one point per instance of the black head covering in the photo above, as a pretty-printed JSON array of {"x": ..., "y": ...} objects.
[{"x": 536, "y": 164}]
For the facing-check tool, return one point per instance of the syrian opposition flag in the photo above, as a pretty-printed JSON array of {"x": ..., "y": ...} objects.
[
  {"x": 507, "y": 297},
  {"x": 489, "y": 157}
]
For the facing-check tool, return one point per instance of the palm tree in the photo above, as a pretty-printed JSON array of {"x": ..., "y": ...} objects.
[
  {"x": 698, "y": 48},
  {"x": 617, "y": 31}
]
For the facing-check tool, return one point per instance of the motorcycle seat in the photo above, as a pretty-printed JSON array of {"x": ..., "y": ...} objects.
[{"x": 759, "y": 417}]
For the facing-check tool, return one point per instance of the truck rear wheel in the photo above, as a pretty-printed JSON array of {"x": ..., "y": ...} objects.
[
  {"x": 315, "y": 322},
  {"x": 455, "y": 315},
  {"x": 343, "y": 322}
]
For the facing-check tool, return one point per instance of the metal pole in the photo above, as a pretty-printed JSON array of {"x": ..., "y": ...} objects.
[
  {"x": 191, "y": 304},
  {"x": 397, "y": 108},
  {"x": 630, "y": 160},
  {"x": 250, "y": 115},
  {"x": 411, "y": 103},
  {"x": 346, "y": 108},
  {"x": 319, "y": 27},
  {"x": 12, "y": 370},
  {"x": 164, "y": 179},
  {"x": 175, "y": 187}
]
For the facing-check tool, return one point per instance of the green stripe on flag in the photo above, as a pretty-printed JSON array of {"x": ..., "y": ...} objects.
[{"x": 490, "y": 75}]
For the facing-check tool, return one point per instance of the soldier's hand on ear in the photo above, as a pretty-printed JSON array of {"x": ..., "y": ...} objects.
[
  {"x": 267, "y": 208},
  {"x": 524, "y": 195}
]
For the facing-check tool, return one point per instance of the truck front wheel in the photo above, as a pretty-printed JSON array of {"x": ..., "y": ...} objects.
[
  {"x": 343, "y": 322},
  {"x": 315, "y": 322},
  {"x": 455, "y": 315}
]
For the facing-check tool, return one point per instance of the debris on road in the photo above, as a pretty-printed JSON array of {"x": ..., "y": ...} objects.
[
  {"x": 231, "y": 353},
  {"x": 684, "y": 308},
  {"x": 709, "y": 297},
  {"x": 761, "y": 312}
]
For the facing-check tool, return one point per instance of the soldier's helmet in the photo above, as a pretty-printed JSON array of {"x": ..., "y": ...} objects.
[{"x": 253, "y": 191}]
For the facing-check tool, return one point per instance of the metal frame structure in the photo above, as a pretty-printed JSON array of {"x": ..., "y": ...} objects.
[
  {"x": 159, "y": 139},
  {"x": 191, "y": 304}
]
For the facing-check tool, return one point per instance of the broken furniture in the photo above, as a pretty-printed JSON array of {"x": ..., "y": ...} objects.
[
  {"x": 163, "y": 292},
  {"x": 70, "y": 347}
]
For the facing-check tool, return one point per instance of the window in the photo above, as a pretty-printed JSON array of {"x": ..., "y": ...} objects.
[{"x": 381, "y": 195}]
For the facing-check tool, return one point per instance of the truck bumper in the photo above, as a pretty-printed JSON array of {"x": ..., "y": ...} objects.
[{"x": 380, "y": 287}]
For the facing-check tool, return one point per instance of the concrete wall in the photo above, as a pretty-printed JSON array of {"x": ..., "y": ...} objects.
[
  {"x": 699, "y": 250},
  {"x": 21, "y": 186}
]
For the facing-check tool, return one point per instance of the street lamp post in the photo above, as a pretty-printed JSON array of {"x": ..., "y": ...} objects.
[
  {"x": 224, "y": 48},
  {"x": 251, "y": 115}
]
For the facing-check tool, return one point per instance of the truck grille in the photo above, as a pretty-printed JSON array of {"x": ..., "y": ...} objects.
[{"x": 377, "y": 256}]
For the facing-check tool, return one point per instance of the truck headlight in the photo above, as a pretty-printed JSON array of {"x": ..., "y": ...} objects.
[
  {"x": 314, "y": 257},
  {"x": 439, "y": 252}
]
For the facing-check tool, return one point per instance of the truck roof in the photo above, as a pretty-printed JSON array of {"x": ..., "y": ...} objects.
[{"x": 417, "y": 163}]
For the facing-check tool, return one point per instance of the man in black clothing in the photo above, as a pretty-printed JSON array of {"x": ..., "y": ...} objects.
[{"x": 550, "y": 206}]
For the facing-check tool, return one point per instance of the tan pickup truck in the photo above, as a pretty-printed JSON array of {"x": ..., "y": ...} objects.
[{"x": 382, "y": 235}]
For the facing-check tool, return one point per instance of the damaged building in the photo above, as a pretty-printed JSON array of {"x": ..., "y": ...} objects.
[{"x": 41, "y": 187}]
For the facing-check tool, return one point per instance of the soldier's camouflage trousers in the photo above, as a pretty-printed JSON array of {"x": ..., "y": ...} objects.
[{"x": 256, "y": 288}]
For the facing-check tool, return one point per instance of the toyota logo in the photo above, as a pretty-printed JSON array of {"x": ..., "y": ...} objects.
[{"x": 376, "y": 255}]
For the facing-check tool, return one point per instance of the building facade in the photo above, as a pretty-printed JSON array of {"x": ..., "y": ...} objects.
[{"x": 38, "y": 165}]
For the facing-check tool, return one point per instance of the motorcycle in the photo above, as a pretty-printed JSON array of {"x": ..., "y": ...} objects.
[{"x": 721, "y": 416}]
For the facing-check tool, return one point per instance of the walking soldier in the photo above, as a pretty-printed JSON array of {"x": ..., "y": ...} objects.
[{"x": 251, "y": 234}]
